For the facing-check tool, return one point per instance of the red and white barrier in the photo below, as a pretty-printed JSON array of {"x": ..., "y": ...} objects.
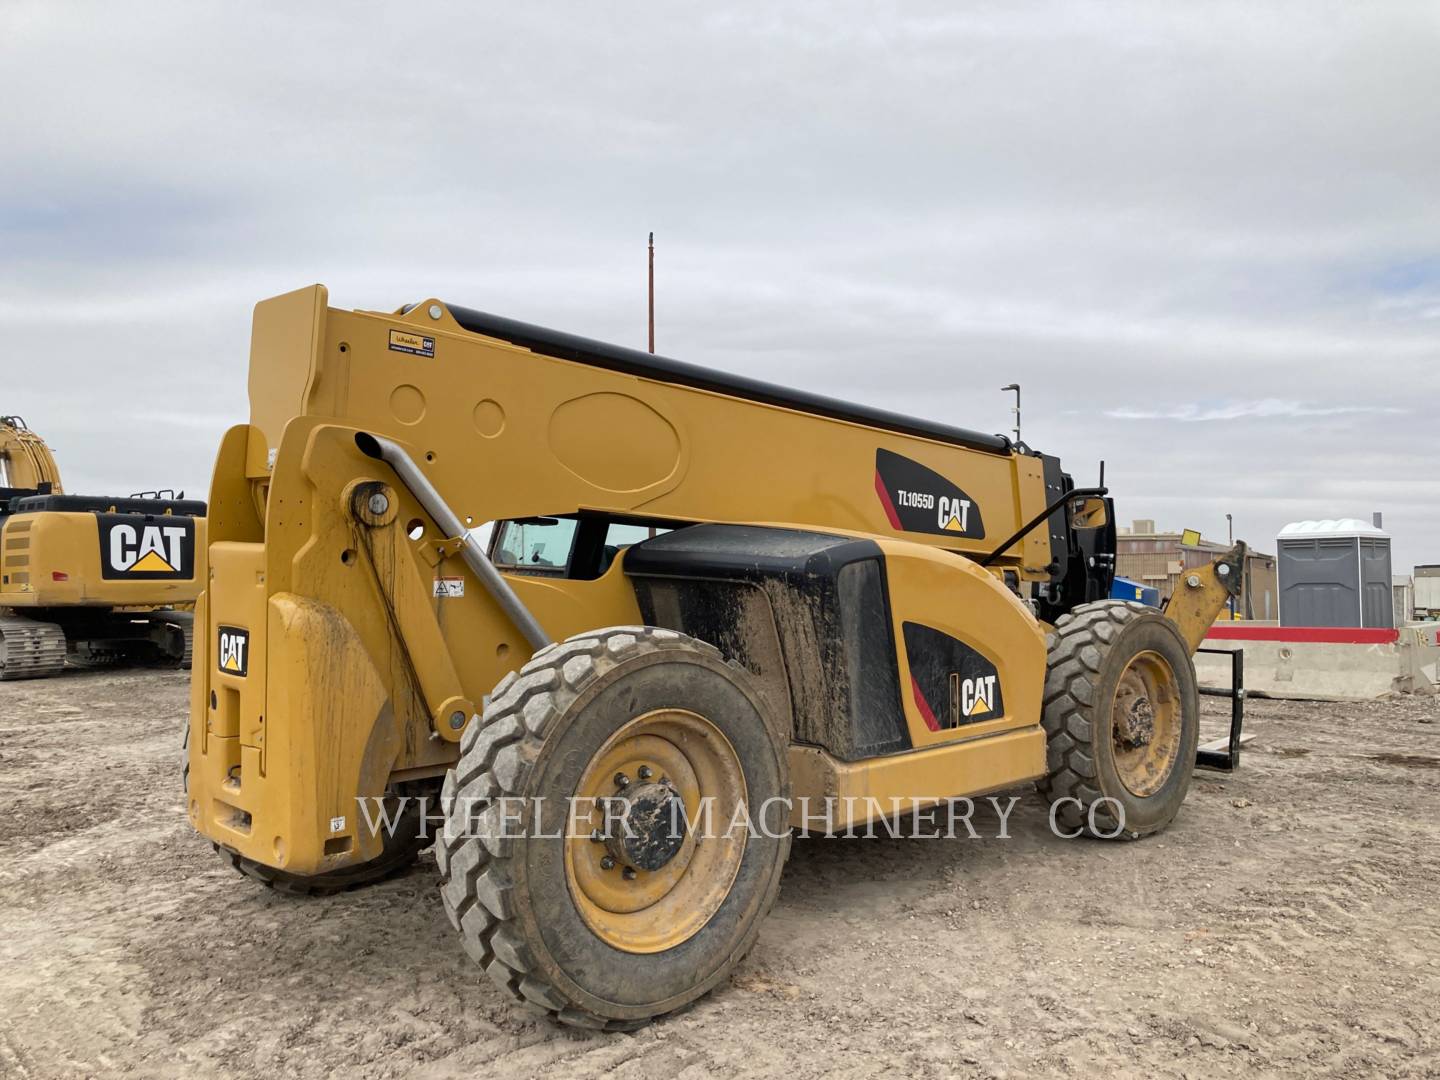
[{"x": 1324, "y": 663}]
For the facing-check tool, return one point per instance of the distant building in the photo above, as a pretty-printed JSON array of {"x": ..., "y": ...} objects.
[
  {"x": 1403, "y": 588},
  {"x": 1425, "y": 592},
  {"x": 1159, "y": 559}
]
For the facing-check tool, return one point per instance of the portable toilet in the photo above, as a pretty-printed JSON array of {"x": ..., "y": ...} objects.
[{"x": 1334, "y": 573}]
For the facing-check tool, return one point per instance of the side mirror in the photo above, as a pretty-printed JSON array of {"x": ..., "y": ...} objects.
[{"x": 1088, "y": 513}]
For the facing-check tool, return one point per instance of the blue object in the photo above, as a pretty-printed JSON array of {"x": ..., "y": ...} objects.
[{"x": 1125, "y": 589}]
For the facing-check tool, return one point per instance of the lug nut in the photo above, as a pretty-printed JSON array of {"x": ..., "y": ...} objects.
[
  {"x": 621, "y": 780},
  {"x": 378, "y": 503},
  {"x": 607, "y": 863},
  {"x": 628, "y": 873},
  {"x": 645, "y": 772}
]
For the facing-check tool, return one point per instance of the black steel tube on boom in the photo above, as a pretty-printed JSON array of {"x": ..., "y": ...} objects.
[{"x": 583, "y": 350}]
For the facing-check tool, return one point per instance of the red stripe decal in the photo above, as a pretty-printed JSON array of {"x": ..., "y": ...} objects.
[
  {"x": 1325, "y": 635},
  {"x": 923, "y": 706},
  {"x": 889, "y": 506}
]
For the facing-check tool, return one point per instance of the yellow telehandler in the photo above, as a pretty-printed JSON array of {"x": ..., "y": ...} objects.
[
  {"x": 99, "y": 579},
  {"x": 709, "y": 609}
]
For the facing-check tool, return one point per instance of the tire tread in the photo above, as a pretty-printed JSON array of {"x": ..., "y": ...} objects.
[
  {"x": 1077, "y": 652},
  {"x": 513, "y": 729}
]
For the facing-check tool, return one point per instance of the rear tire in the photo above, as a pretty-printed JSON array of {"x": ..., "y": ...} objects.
[
  {"x": 1121, "y": 718},
  {"x": 401, "y": 847},
  {"x": 613, "y": 947}
]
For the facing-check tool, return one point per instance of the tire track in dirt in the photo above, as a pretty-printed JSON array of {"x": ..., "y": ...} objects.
[{"x": 1281, "y": 927}]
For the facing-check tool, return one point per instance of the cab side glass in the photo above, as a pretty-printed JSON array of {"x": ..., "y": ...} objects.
[
  {"x": 620, "y": 535},
  {"x": 535, "y": 544}
]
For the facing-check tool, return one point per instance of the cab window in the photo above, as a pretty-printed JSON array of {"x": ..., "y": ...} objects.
[
  {"x": 621, "y": 534},
  {"x": 535, "y": 544},
  {"x": 582, "y": 548}
]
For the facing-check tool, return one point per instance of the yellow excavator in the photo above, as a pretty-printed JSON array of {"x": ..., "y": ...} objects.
[
  {"x": 710, "y": 610},
  {"x": 98, "y": 579}
]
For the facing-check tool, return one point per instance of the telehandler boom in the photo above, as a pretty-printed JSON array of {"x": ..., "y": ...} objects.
[
  {"x": 709, "y": 609},
  {"x": 98, "y": 578}
]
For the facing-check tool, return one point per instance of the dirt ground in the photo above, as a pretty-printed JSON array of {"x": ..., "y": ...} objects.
[{"x": 1286, "y": 924}]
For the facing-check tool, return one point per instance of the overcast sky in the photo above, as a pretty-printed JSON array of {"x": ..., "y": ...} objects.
[{"x": 1205, "y": 238}]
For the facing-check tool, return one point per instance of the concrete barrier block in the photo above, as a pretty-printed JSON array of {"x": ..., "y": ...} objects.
[{"x": 1318, "y": 664}]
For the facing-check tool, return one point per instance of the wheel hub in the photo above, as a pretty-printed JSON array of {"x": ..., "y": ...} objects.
[
  {"x": 1146, "y": 717},
  {"x": 647, "y": 829},
  {"x": 641, "y": 878},
  {"x": 1136, "y": 725}
]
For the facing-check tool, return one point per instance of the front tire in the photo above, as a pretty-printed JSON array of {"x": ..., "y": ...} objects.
[
  {"x": 1121, "y": 718},
  {"x": 592, "y": 932}
]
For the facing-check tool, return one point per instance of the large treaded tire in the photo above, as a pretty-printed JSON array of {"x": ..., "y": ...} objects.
[
  {"x": 402, "y": 847},
  {"x": 1089, "y": 650},
  {"x": 396, "y": 858},
  {"x": 486, "y": 881}
]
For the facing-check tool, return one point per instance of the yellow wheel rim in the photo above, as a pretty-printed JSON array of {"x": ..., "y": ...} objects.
[
  {"x": 1146, "y": 715},
  {"x": 641, "y": 910}
]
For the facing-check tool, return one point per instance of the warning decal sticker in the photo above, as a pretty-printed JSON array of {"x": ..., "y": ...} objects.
[{"x": 449, "y": 586}]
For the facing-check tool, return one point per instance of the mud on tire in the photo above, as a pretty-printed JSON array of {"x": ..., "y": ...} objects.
[
  {"x": 1090, "y": 650},
  {"x": 506, "y": 897}
]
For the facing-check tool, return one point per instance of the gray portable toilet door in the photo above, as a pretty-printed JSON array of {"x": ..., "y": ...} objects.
[
  {"x": 1377, "y": 599},
  {"x": 1319, "y": 582}
]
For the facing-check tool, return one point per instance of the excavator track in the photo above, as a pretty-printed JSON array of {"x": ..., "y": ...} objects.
[
  {"x": 184, "y": 622},
  {"x": 30, "y": 649},
  {"x": 189, "y": 626}
]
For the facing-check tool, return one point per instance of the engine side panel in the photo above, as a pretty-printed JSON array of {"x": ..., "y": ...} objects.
[
  {"x": 805, "y": 612},
  {"x": 876, "y": 647},
  {"x": 970, "y": 643}
]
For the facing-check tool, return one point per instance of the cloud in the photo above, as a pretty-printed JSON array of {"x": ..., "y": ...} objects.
[
  {"x": 1266, "y": 408},
  {"x": 1129, "y": 208}
]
